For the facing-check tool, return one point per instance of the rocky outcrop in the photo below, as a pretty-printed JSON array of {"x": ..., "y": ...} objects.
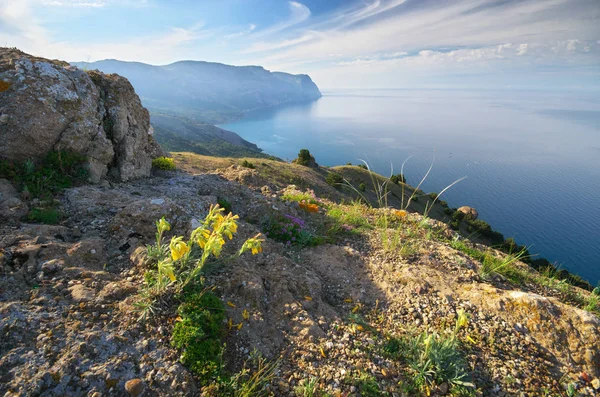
[
  {"x": 470, "y": 212},
  {"x": 48, "y": 105}
]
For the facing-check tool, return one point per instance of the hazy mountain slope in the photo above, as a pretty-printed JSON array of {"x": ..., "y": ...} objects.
[
  {"x": 210, "y": 92},
  {"x": 179, "y": 133}
]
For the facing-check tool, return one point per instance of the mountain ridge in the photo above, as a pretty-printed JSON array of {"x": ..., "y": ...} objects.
[{"x": 210, "y": 92}]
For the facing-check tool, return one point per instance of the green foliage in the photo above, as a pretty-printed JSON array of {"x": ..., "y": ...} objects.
[
  {"x": 433, "y": 359},
  {"x": 252, "y": 380},
  {"x": 484, "y": 229},
  {"x": 290, "y": 231},
  {"x": 48, "y": 216},
  {"x": 433, "y": 195},
  {"x": 226, "y": 205},
  {"x": 398, "y": 179},
  {"x": 363, "y": 166},
  {"x": 208, "y": 146},
  {"x": 334, "y": 179},
  {"x": 59, "y": 170},
  {"x": 300, "y": 197},
  {"x": 248, "y": 164},
  {"x": 362, "y": 187},
  {"x": 308, "y": 388},
  {"x": 178, "y": 264},
  {"x": 198, "y": 334},
  {"x": 304, "y": 157},
  {"x": 368, "y": 387},
  {"x": 164, "y": 163}
]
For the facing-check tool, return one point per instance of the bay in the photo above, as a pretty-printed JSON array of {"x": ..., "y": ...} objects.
[{"x": 532, "y": 159}]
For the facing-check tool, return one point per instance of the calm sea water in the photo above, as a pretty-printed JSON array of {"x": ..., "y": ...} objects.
[{"x": 532, "y": 159}]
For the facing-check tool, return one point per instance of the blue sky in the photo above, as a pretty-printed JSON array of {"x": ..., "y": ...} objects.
[{"x": 340, "y": 43}]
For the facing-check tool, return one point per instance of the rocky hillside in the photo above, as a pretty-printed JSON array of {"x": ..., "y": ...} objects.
[
  {"x": 48, "y": 106},
  {"x": 340, "y": 299},
  {"x": 251, "y": 277},
  {"x": 209, "y": 92},
  {"x": 182, "y": 134}
]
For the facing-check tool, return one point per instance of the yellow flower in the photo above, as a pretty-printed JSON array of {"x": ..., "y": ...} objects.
[
  {"x": 253, "y": 244},
  {"x": 201, "y": 236},
  {"x": 178, "y": 248},
  {"x": 166, "y": 268},
  {"x": 162, "y": 225},
  {"x": 462, "y": 319}
]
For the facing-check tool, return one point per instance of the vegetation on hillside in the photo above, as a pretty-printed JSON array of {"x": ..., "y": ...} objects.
[{"x": 39, "y": 183}]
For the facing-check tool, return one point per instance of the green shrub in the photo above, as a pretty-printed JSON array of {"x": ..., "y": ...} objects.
[
  {"x": 397, "y": 179},
  {"x": 289, "y": 230},
  {"x": 198, "y": 334},
  {"x": 362, "y": 187},
  {"x": 304, "y": 157},
  {"x": 248, "y": 164},
  {"x": 433, "y": 195},
  {"x": 368, "y": 387},
  {"x": 57, "y": 171},
  {"x": 363, "y": 166},
  {"x": 334, "y": 179},
  {"x": 449, "y": 211},
  {"x": 226, "y": 205},
  {"x": 164, "y": 163},
  {"x": 49, "y": 216}
]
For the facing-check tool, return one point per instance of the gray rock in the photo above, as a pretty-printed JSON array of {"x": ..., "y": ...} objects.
[
  {"x": 80, "y": 293},
  {"x": 49, "y": 105}
]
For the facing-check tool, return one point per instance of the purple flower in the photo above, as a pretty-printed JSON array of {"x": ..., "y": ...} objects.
[{"x": 295, "y": 220}]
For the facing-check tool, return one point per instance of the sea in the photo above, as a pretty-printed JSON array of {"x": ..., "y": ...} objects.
[{"x": 531, "y": 158}]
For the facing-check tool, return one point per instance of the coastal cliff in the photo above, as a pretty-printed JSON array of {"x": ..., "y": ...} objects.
[
  {"x": 226, "y": 277},
  {"x": 209, "y": 92}
]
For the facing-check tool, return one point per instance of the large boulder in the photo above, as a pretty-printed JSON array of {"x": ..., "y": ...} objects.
[{"x": 49, "y": 105}]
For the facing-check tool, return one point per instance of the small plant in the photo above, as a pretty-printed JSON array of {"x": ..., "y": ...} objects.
[
  {"x": 362, "y": 187},
  {"x": 398, "y": 179},
  {"x": 248, "y": 164},
  {"x": 226, "y": 205},
  {"x": 164, "y": 163},
  {"x": 434, "y": 359},
  {"x": 48, "y": 216},
  {"x": 289, "y": 230},
  {"x": 368, "y": 387},
  {"x": 308, "y": 388},
  {"x": 198, "y": 334},
  {"x": 252, "y": 380},
  {"x": 334, "y": 179},
  {"x": 291, "y": 194},
  {"x": 180, "y": 263}
]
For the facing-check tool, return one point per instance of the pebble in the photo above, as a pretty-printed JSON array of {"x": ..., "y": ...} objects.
[{"x": 134, "y": 387}]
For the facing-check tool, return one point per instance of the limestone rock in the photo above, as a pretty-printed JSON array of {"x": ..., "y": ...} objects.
[
  {"x": 49, "y": 105},
  {"x": 80, "y": 293},
  {"x": 11, "y": 206},
  {"x": 470, "y": 212},
  {"x": 134, "y": 387}
]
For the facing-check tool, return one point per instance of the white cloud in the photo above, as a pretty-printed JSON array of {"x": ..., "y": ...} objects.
[{"x": 74, "y": 3}]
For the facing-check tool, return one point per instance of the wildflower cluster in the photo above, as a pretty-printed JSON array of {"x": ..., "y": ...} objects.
[
  {"x": 289, "y": 230},
  {"x": 180, "y": 262}
]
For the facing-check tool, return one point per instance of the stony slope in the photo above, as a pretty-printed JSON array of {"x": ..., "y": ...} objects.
[{"x": 326, "y": 313}]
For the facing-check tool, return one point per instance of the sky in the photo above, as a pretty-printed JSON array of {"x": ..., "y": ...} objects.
[{"x": 473, "y": 44}]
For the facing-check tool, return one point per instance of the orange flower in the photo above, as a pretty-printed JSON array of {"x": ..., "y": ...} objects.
[
  {"x": 401, "y": 213},
  {"x": 309, "y": 207}
]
